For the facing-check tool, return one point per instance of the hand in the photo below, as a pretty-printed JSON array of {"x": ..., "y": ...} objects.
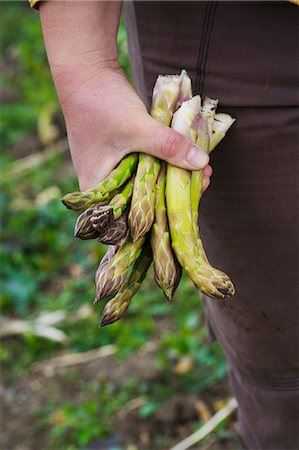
[{"x": 106, "y": 120}]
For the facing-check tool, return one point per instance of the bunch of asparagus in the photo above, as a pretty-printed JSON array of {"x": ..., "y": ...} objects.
[{"x": 147, "y": 210}]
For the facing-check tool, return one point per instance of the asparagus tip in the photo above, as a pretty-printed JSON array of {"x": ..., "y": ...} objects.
[
  {"x": 168, "y": 294},
  {"x": 108, "y": 320},
  {"x": 95, "y": 301}
]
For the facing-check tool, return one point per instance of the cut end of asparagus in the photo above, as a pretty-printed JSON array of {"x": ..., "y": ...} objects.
[
  {"x": 185, "y": 119},
  {"x": 209, "y": 107},
  {"x": 186, "y": 88},
  {"x": 222, "y": 123}
]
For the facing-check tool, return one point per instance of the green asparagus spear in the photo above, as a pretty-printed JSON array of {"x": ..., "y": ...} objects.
[
  {"x": 142, "y": 206},
  {"x": 204, "y": 133},
  {"x": 222, "y": 123},
  {"x": 114, "y": 274},
  {"x": 121, "y": 201},
  {"x": 167, "y": 270},
  {"x": 178, "y": 195},
  {"x": 79, "y": 201},
  {"x": 116, "y": 308},
  {"x": 110, "y": 253},
  {"x": 168, "y": 91}
]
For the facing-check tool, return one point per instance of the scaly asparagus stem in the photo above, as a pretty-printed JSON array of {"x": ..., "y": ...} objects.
[
  {"x": 116, "y": 308},
  {"x": 167, "y": 270},
  {"x": 120, "y": 201},
  {"x": 218, "y": 125},
  {"x": 142, "y": 206},
  {"x": 114, "y": 274},
  {"x": 183, "y": 233},
  {"x": 204, "y": 133},
  {"x": 168, "y": 92},
  {"x": 212, "y": 128},
  {"x": 110, "y": 253},
  {"x": 79, "y": 201}
]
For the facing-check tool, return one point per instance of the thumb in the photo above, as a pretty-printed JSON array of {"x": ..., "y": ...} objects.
[{"x": 164, "y": 143}]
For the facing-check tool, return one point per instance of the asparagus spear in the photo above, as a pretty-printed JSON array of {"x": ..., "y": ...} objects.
[
  {"x": 116, "y": 308},
  {"x": 212, "y": 128},
  {"x": 185, "y": 241},
  {"x": 168, "y": 91},
  {"x": 102, "y": 219},
  {"x": 116, "y": 232},
  {"x": 216, "y": 125},
  {"x": 110, "y": 253},
  {"x": 167, "y": 270},
  {"x": 111, "y": 278},
  {"x": 83, "y": 227},
  {"x": 120, "y": 201},
  {"x": 142, "y": 206},
  {"x": 79, "y": 201},
  {"x": 222, "y": 123},
  {"x": 110, "y": 222},
  {"x": 204, "y": 133}
]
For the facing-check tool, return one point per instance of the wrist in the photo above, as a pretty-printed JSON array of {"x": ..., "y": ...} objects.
[{"x": 72, "y": 80}]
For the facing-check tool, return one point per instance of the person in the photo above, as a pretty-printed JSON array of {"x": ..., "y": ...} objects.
[{"x": 245, "y": 54}]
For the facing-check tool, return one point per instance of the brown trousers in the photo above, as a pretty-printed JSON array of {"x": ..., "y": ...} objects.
[{"x": 245, "y": 54}]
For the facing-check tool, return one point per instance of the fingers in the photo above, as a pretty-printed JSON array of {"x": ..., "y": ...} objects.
[
  {"x": 171, "y": 146},
  {"x": 206, "y": 178},
  {"x": 208, "y": 171},
  {"x": 205, "y": 184}
]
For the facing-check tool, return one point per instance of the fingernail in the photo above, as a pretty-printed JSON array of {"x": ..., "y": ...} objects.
[{"x": 197, "y": 158}]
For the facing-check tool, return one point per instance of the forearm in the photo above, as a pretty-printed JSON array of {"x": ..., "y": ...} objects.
[
  {"x": 80, "y": 39},
  {"x": 105, "y": 118}
]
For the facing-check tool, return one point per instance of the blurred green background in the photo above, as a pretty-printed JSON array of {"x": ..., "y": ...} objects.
[{"x": 164, "y": 377}]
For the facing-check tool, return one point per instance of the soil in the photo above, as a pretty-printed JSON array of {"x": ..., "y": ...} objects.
[{"x": 175, "y": 420}]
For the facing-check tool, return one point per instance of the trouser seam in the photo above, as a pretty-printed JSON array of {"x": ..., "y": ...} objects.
[{"x": 204, "y": 46}]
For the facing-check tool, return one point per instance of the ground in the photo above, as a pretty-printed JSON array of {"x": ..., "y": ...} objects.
[{"x": 25, "y": 399}]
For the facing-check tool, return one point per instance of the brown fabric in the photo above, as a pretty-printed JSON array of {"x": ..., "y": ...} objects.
[{"x": 245, "y": 54}]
